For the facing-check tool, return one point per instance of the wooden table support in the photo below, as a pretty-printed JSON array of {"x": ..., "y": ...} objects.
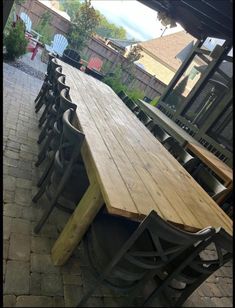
[{"x": 77, "y": 225}]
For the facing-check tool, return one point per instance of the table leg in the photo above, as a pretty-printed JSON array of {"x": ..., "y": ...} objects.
[{"x": 77, "y": 225}]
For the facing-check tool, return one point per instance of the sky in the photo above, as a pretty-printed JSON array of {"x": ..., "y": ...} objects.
[{"x": 137, "y": 19}]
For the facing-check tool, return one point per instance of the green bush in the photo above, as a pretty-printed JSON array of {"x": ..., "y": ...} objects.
[
  {"x": 44, "y": 28},
  {"x": 135, "y": 94},
  {"x": 155, "y": 101},
  {"x": 15, "y": 41}
]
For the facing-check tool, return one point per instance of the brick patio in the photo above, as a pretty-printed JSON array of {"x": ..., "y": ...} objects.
[{"x": 30, "y": 279}]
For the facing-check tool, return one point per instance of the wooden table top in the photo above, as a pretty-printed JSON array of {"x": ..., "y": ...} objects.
[
  {"x": 166, "y": 123},
  {"x": 213, "y": 162},
  {"x": 135, "y": 172}
]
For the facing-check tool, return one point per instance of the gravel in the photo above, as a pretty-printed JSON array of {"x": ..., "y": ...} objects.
[{"x": 26, "y": 68}]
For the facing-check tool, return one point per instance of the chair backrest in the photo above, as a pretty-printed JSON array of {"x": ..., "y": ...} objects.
[
  {"x": 132, "y": 105},
  {"x": 208, "y": 182},
  {"x": 53, "y": 65},
  {"x": 195, "y": 265},
  {"x": 59, "y": 44},
  {"x": 72, "y": 54},
  {"x": 65, "y": 103},
  {"x": 160, "y": 134},
  {"x": 144, "y": 118},
  {"x": 95, "y": 63},
  {"x": 27, "y": 21},
  {"x": 181, "y": 155},
  {"x": 122, "y": 94}
]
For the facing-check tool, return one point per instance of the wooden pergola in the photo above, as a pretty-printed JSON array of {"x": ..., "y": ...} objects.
[{"x": 205, "y": 112}]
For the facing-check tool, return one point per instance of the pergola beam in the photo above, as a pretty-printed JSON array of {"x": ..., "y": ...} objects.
[{"x": 7, "y": 6}]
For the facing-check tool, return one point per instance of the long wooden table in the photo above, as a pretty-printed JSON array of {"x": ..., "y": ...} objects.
[
  {"x": 129, "y": 170},
  {"x": 166, "y": 123}
]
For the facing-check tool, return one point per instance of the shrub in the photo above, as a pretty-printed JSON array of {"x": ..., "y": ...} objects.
[
  {"x": 15, "y": 41},
  {"x": 155, "y": 101},
  {"x": 44, "y": 28}
]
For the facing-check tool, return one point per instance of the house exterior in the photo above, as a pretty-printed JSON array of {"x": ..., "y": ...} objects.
[{"x": 159, "y": 54}]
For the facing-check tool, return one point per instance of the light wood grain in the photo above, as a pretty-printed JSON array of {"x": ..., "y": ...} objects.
[
  {"x": 214, "y": 163},
  {"x": 166, "y": 123},
  {"x": 135, "y": 172}
]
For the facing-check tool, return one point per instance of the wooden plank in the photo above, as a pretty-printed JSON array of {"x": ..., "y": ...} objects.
[
  {"x": 77, "y": 225},
  {"x": 166, "y": 123},
  {"x": 214, "y": 163},
  {"x": 203, "y": 217},
  {"x": 139, "y": 163}
]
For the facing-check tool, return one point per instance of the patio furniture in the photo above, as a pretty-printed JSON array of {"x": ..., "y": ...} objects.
[
  {"x": 94, "y": 73},
  {"x": 52, "y": 95},
  {"x": 67, "y": 179},
  {"x": 214, "y": 163},
  {"x": 166, "y": 123},
  {"x": 94, "y": 63},
  {"x": 184, "y": 158},
  {"x": 193, "y": 268},
  {"x": 211, "y": 185},
  {"x": 160, "y": 134},
  {"x": 44, "y": 98},
  {"x": 122, "y": 94},
  {"x": 132, "y": 106},
  {"x": 144, "y": 118},
  {"x": 126, "y": 255},
  {"x": 53, "y": 135},
  {"x": 72, "y": 57},
  {"x": 28, "y": 25},
  {"x": 47, "y": 80},
  {"x": 129, "y": 170},
  {"x": 58, "y": 45},
  {"x": 52, "y": 112}
]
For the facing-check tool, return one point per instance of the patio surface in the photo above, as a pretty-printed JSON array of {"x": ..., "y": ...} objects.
[{"x": 30, "y": 279}]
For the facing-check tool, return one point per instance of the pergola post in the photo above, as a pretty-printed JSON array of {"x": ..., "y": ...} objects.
[{"x": 7, "y": 6}]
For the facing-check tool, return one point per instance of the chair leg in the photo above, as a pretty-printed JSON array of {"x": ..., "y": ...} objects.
[
  {"x": 39, "y": 194},
  {"x": 42, "y": 153},
  {"x": 44, "y": 115},
  {"x": 46, "y": 173},
  {"x": 40, "y": 103},
  {"x": 43, "y": 133},
  {"x": 50, "y": 208}
]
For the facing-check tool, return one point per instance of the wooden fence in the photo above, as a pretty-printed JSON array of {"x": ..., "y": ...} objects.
[{"x": 143, "y": 81}]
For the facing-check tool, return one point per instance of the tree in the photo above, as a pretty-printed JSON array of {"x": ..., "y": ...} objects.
[
  {"x": 44, "y": 28},
  {"x": 71, "y": 7},
  {"x": 128, "y": 65},
  {"x": 86, "y": 20},
  {"x": 107, "y": 29}
]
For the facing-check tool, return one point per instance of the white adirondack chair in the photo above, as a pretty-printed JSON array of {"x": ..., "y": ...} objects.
[
  {"x": 28, "y": 25},
  {"x": 58, "y": 45}
]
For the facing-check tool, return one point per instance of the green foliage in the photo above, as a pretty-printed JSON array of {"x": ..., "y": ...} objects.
[
  {"x": 114, "y": 80},
  {"x": 155, "y": 101},
  {"x": 86, "y": 20},
  {"x": 107, "y": 29},
  {"x": 71, "y": 7},
  {"x": 44, "y": 28},
  {"x": 15, "y": 41}
]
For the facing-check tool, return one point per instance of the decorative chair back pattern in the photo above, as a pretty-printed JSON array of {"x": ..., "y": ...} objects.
[{"x": 95, "y": 63}]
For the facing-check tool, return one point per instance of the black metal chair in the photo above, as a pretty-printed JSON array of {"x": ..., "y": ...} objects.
[
  {"x": 188, "y": 161},
  {"x": 52, "y": 111},
  {"x": 72, "y": 58},
  {"x": 44, "y": 98},
  {"x": 52, "y": 140},
  {"x": 67, "y": 180},
  {"x": 47, "y": 80},
  {"x": 132, "y": 105},
  {"x": 125, "y": 255},
  {"x": 194, "y": 266},
  {"x": 208, "y": 182},
  {"x": 144, "y": 118},
  {"x": 52, "y": 95},
  {"x": 160, "y": 134},
  {"x": 122, "y": 94}
]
